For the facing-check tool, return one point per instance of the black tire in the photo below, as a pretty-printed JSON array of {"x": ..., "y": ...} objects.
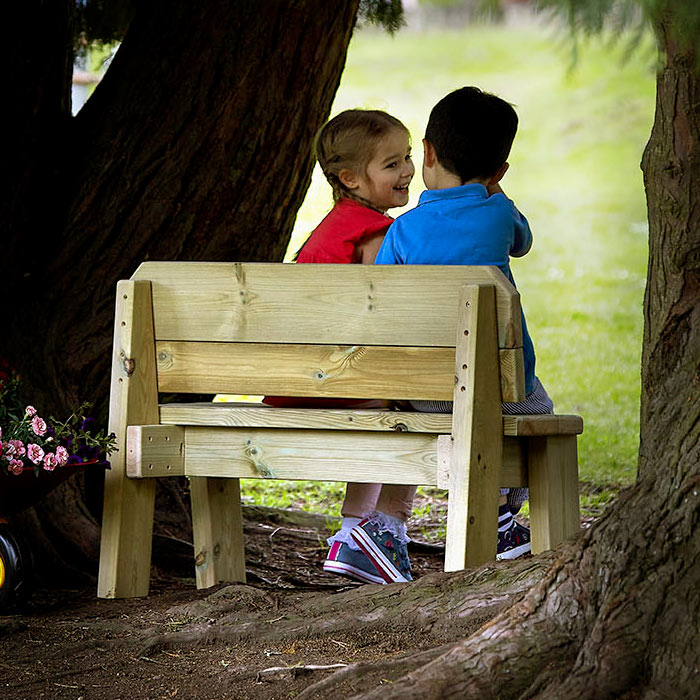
[{"x": 15, "y": 569}]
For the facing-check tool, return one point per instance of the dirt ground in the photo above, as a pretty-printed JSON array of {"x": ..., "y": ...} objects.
[{"x": 68, "y": 644}]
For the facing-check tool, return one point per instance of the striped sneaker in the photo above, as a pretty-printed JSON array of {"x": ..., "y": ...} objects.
[
  {"x": 389, "y": 556},
  {"x": 513, "y": 542},
  {"x": 351, "y": 563}
]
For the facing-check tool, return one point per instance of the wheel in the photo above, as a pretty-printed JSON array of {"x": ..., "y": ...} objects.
[{"x": 15, "y": 569}]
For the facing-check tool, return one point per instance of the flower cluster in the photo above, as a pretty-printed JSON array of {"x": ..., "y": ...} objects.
[{"x": 29, "y": 442}]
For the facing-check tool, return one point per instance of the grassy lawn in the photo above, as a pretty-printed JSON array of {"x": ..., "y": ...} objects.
[{"x": 575, "y": 174}]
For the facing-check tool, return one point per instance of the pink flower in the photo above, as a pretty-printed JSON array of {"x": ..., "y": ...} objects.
[
  {"x": 50, "y": 461},
  {"x": 19, "y": 447},
  {"x": 35, "y": 453},
  {"x": 30, "y": 411},
  {"x": 16, "y": 466},
  {"x": 61, "y": 455},
  {"x": 9, "y": 450},
  {"x": 38, "y": 425}
]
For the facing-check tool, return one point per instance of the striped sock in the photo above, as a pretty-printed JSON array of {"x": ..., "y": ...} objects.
[{"x": 505, "y": 518}]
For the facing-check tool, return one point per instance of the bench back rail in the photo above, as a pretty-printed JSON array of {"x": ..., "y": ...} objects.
[{"x": 324, "y": 330}]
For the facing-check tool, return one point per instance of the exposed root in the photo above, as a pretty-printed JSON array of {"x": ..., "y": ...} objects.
[
  {"x": 354, "y": 672},
  {"x": 444, "y": 606}
]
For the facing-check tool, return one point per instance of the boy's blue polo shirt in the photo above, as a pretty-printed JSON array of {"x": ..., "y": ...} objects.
[{"x": 462, "y": 226}]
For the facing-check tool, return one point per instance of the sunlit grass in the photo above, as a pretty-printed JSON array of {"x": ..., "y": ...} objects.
[{"x": 574, "y": 173}]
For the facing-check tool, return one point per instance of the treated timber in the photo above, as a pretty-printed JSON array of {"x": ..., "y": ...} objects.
[
  {"x": 252, "y": 415},
  {"x": 306, "y": 454},
  {"x": 330, "y": 371},
  {"x": 353, "y": 305},
  {"x": 127, "y": 519},
  {"x": 477, "y": 453}
]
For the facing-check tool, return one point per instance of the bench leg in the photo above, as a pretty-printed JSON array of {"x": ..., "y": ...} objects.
[
  {"x": 127, "y": 518},
  {"x": 553, "y": 482},
  {"x": 127, "y": 534},
  {"x": 477, "y": 427},
  {"x": 217, "y": 525}
]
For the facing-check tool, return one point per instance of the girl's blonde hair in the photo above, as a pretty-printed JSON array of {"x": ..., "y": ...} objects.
[{"x": 348, "y": 141}]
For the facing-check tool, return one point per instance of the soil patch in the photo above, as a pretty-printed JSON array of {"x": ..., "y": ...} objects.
[{"x": 70, "y": 644}]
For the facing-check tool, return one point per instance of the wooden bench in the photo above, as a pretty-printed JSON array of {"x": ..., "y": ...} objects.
[{"x": 360, "y": 331}]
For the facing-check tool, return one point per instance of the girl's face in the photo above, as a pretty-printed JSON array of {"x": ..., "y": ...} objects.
[{"x": 386, "y": 178}]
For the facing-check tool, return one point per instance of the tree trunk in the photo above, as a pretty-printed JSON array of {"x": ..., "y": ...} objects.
[{"x": 196, "y": 145}]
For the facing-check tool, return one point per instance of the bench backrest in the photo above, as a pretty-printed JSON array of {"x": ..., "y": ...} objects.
[{"x": 356, "y": 331}]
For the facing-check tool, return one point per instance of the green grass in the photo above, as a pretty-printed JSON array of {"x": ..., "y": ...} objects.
[{"x": 575, "y": 174}]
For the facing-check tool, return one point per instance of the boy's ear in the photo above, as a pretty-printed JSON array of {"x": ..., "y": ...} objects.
[
  {"x": 498, "y": 176},
  {"x": 348, "y": 178},
  {"x": 429, "y": 157}
]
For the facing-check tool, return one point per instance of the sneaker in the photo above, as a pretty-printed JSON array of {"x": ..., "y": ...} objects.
[
  {"x": 513, "y": 542},
  {"x": 387, "y": 554},
  {"x": 351, "y": 563}
]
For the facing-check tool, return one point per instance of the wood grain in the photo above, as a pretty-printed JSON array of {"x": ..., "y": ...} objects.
[{"x": 348, "y": 304}]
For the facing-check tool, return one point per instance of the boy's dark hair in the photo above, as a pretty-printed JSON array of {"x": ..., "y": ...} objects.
[{"x": 472, "y": 132}]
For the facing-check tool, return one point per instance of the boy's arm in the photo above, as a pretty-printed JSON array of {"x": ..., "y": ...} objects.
[{"x": 522, "y": 241}]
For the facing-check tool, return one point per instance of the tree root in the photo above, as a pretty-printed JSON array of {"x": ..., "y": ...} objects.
[
  {"x": 443, "y": 606},
  {"x": 354, "y": 672}
]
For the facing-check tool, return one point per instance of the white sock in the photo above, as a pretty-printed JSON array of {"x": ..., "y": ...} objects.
[
  {"x": 389, "y": 523},
  {"x": 343, "y": 535}
]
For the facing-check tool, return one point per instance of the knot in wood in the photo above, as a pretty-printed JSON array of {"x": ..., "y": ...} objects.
[{"x": 128, "y": 364}]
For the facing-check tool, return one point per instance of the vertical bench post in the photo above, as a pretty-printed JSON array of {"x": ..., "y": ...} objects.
[
  {"x": 217, "y": 526},
  {"x": 478, "y": 434},
  {"x": 127, "y": 520},
  {"x": 553, "y": 482}
]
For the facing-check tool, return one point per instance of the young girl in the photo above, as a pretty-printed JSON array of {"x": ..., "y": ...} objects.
[{"x": 366, "y": 158}]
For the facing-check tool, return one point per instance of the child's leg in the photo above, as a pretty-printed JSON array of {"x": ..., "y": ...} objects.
[
  {"x": 396, "y": 501},
  {"x": 345, "y": 556},
  {"x": 360, "y": 500},
  {"x": 383, "y": 537}
]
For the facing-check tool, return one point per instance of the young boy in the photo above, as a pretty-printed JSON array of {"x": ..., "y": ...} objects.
[{"x": 464, "y": 218}]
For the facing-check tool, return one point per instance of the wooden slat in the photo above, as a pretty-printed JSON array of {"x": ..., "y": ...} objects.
[
  {"x": 542, "y": 425},
  {"x": 245, "y": 415},
  {"x": 314, "y": 370},
  {"x": 513, "y": 469},
  {"x": 348, "y": 304},
  {"x": 512, "y": 364},
  {"x": 314, "y": 455},
  {"x": 306, "y": 370}
]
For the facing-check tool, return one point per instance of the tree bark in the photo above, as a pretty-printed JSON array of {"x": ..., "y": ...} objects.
[{"x": 196, "y": 145}]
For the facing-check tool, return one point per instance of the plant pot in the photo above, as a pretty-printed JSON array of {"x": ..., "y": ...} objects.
[{"x": 19, "y": 491}]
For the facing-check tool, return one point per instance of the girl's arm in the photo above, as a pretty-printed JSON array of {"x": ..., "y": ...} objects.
[{"x": 366, "y": 251}]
